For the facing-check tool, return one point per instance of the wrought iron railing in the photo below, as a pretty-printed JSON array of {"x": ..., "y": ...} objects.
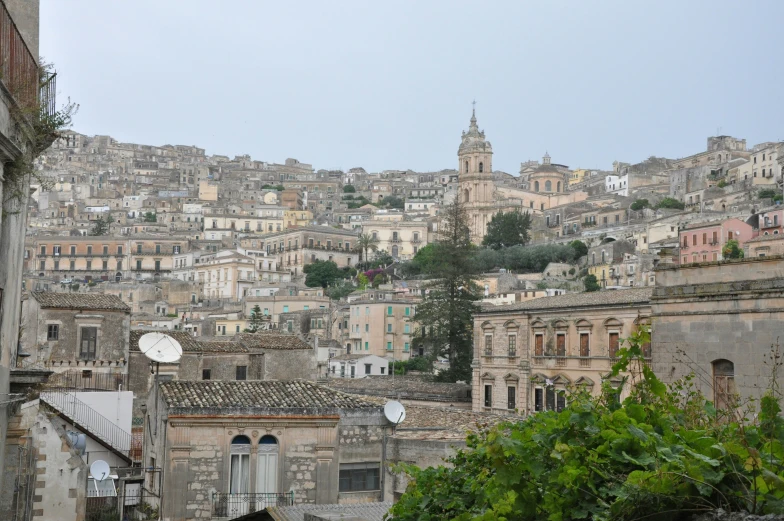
[
  {"x": 88, "y": 381},
  {"x": 47, "y": 94},
  {"x": 18, "y": 66},
  {"x": 89, "y": 420},
  {"x": 229, "y": 506}
]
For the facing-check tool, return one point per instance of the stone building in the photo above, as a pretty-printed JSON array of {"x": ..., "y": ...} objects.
[
  {"x": 527, "y": 355},
  {"x": 477, "y": 190},
  {"x": 720, "y": 321},
  {"x": 222, "y": 445},
  {"x": 382, "y": 325},
  {"x": 401, "y": 239},
  {"x": 81, "y": 258},
  {"x": 76, "y": 331}
]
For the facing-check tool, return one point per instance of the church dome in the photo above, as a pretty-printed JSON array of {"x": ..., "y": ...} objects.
[{"x": 474, "y": 140}]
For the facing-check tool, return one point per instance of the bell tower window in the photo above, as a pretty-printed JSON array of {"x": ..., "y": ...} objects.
[
  {"x": 481, "y": 167},
  {"x": 466, "y": 167}
]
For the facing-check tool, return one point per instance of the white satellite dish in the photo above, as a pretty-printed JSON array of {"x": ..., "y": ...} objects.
[
  {"x": 99, "y": 470},
  {"x": 160, "y": 348},
  {"x": 395, "y": 412}
]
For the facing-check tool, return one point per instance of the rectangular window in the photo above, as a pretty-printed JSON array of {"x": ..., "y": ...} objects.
[
  {"x": 715, "y": 238},
  {"x": 406, "y": 347},
  {"x": 512, "y": 345},
  {"x": 560, "y": 346},
  {"x": 389, "y": 310},
  {"x": 105, "y": 250},
  {"x": 694, "y": 240},
  {"x": 138, "y": 264},
  {"x": 367, "y": 310},
  {"x": 119, "y": 250},
  {"x": 585, "y": 348},
  {"x": 358, "y": 477},
  {"x": 488, "y": 395},
  {"x": 408, "y": 312},
  {"x": 105, "y": 265},
  {"x": 73, "y": 250},
  {"x": 614, "y": 345},
  {"x": 538, "y": 399},
  {"x": 389, "y": 328},
  {"x": 285, "y": 309},
  {"x": 488, "y": 345},
  {"x": 368, "y": 368},
  {"x": 53, "y": 332},
  {"x": 549, "y": 396},
  {"x": 704, "y": 238},
  {"x": 367, "y": 328},
  {"x": 367, "y": 347},
  {"x": 407, "y": 329},
  {"x": 389, "y": 346},
  {"x": 511, "y": 397},
  {"x": 539, "y": 345},
  {"x": 560, "y": 403},
  {"x": 89, "y": 249},
  {"x": 87, "y": 344},
  {"x": 43, "y": 250},
  {"x": 242, "y": 372},
  {"x": 139, "y": 248},
  {"x": 89, "y": 265},
  {"x": 206, "y": 374},
  {"x": 72, "y": 265}
]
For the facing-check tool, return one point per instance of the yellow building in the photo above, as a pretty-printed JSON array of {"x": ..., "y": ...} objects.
[
  {"x": 296, "y": 218},
  {"x": 578, "y": 176},
  {"x": 208, "y": 191}
]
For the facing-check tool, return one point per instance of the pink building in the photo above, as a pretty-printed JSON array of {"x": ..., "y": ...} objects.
[
  {"x": 704, "y": 242},
  {"x": 770, "y": 223}
]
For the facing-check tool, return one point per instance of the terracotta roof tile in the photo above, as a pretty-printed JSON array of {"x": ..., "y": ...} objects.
[
  {"x": 365, "y": 511},
  {"x": 292, "y": 394},
  {"x": 48, "y": 299},
  {"x": 264, "y": 340},
  {"x": 595, "y": 298}
]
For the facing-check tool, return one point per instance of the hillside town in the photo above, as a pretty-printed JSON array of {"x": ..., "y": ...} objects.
[{"x": 305, "y": 302}]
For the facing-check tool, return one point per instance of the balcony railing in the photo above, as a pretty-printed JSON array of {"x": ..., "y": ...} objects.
[
  {"x": 89, "y": 381},
  {"x": 230, "y": 506},
  {"x": 18, "y": 66}
]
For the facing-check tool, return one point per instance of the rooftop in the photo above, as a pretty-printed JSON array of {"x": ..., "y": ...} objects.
[
  {"x": 406, "y": 387},
  {"x": 264, "y": 340},
  {"x": 570, "y": 300},
  {"x": 93, "y": 301},
  {"x": 365, "y": 511},
  {"x": 291, "y": 394}
]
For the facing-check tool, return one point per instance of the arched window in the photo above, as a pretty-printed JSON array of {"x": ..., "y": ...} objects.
[
  {"x": 394, "y": 251},
  {"x": 723, "y": 384},
  {"x": 536, "y": 186},
  {"x": 466, "y": 196},
  {"x": 466, "y": 167},
  {"x": 548, "y": 186},
  {"x": 481, "y": 167},
  {"x": 267, "y": 469},
  {"x": 240, "y": 462},
  {"x": 603, "y": 256},
  {"x": 558, "y": 189},
  {"x": 118, "y": 277}
]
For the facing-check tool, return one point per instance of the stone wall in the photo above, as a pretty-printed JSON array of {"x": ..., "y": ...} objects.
[{"x": 728, "y": 310}]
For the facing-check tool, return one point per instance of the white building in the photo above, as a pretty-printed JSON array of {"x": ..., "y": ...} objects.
[
  {"x": 358, "y": 366},
  {"x": 617, "y": 184}
]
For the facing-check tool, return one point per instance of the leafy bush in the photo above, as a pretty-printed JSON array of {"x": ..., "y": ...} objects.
[
  {"x": 732, "y": 250},
  {"x": 661, "y": 453},
  {"x": 639, "y": 204},
  {"x": 579, "y": 247},
  {"x": 722, "y": 183},
  {"x": 669, "y": 202},
  {"x": 418, "y": 363},
  {"x": 591, "y": 283},
  {"x": 770, "y": 194},
  {"x": 349, "y": 189}
]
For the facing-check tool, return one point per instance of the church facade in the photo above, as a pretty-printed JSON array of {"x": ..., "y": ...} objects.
[{"x": 482, "y": 199}]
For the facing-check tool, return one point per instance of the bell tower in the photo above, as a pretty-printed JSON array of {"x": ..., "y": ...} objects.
[{"x": 475, "y": 176}]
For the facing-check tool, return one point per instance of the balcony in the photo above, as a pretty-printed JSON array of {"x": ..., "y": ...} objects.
[
  {"x": 231, "y": 506},
  {"x": 18, "y": 66},
  {"x": 395, "y": 240}
]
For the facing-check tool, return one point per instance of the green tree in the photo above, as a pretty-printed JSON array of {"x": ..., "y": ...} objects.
[
  {"x": 579, "y": 247},
  {"x": 322, "y": 273},
  {"x": 770, "y": 193},
  {"x": 100, "y": 226},
  {"x": 363, "y": 281},
  {"x": 393, "y": 201},
  {"x": 340, "y": 290},
  {"x": 639, "y": 204},
  {"x": 445, "y": 315},
  {"x": 150, "y": 217},
  {"x": 732, "y": 250},
  {"x": 591, "y": 283},
  {"x": 366, "y": 243},
  {"x": 256, "y": 320},
  {"x": 669, "y": 202},
  {"x": 508, "y": 229},
  {"x": 349, "y": 189},
  {"x": 378, "y": 280}
]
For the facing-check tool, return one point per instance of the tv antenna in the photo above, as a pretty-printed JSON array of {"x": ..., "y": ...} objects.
[{"x": 159, "y": 348}]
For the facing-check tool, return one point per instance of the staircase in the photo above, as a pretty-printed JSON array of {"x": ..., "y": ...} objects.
[{"x": 90, "y": 421}]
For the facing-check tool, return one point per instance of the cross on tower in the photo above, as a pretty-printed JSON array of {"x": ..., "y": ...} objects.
[{"x": 474, "y": 104}]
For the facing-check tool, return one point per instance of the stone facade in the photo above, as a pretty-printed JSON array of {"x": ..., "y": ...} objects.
[
  {"x": 705, "y": 315},
  {"x": 527, "y": 354}
]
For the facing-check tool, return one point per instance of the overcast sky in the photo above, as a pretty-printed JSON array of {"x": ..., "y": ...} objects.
[{"x": 389, "y": 85}]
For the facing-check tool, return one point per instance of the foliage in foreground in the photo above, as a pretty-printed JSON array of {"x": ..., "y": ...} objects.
[{"x": 664, "y": 453}]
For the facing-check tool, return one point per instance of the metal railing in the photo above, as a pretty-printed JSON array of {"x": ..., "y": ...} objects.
[
  {"x": 229, "y": 506},
  {"x": 47, "y": 94},
  {"x": 89, "y": 420},
  {"x": 131, "y": 502},
  {"x": 88, "y": 381},
  {"x": 18, "y": 66}
]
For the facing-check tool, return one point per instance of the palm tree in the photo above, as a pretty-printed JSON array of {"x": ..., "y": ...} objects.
[{"x": 365, "y": 243}]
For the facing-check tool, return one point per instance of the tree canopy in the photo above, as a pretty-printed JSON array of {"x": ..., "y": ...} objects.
[
  {"x": 669, "y": 202},
  {"x": 445, "y": 315},
  {"x": 591, "y": 283},
  {"x": 507, "y": 229},
  {"x": 660, "y": 453},
  {"x": 323, "y": 273},
  {"x": 732, "y": 250},
  {"x": 100, "y": 226},
  {"x": 639, "y": 204},
  {"x": 256, "y": 320},
  {"x": 349, "y": 189},
  {"x": 580, "y": 248},
  {"x": 524, "y": 259}
]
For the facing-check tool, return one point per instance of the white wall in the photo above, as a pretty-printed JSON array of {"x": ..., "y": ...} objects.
[{"x": 116, "y": 406}]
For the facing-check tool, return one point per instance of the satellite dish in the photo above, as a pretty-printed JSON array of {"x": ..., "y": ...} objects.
[
  {"x": 99, "y": 470},
  {"x": 395, "y": 412},
  {"x": 160, "y": 348}
]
